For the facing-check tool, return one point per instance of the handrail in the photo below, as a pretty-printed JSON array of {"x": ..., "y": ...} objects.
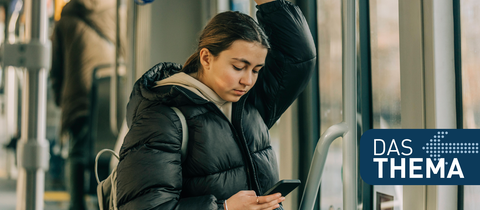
[
  {"x": 347, "y": 129},
  {"x": 114, "y": 84},
  {"x": 113, "y": 101},
  {"x": 11, "y": 82},
  {"x": 349, "y": 69},
  {"x": 32, "y": 149},
  {"x": 12, "y": 22},
  {"x": 318, "y": 163}
]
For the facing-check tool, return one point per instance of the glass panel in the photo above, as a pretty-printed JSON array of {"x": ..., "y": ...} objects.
[
  {"x": 330, "y": 73},
  {"x": 470, "y": 39},
  {"x": 470, "y": 65},
  {"x": 385, "y": 63},
  {"x": 384, "y": 26},
  {"x": 286, "y": 148}
]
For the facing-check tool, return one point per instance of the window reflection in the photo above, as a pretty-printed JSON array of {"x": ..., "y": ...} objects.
[
  {"x": 470, "y": 44},
  {"x": 384, "y": 26},
  {"x": 330, "y": 77}
]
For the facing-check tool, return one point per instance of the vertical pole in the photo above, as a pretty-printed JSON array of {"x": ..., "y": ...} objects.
[
  {"x": 132, "y": 17},
  {"x": 11, "y": 84},
  {"x": 440, "y": 65},
  {"x": 365, "y": 92},
  {"x": 114, "y": 77},
  {"x": 309, "y": 103},
  {"x": 457, "y": 39},
  {"x": 33, "y": 147},
  {"x": 349, "y": 105},
  {"x": 348, "y": 128},
  {"x": 413, "y": 82}
]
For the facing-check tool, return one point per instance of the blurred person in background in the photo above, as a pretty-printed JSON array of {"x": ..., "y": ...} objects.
[{"x": 83, "y": 38}]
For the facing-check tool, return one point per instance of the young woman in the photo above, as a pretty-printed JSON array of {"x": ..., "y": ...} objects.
[{"x": 229, "y": 160}]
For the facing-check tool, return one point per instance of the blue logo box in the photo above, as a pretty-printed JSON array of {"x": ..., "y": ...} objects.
[{"x": 420, "y": 157}]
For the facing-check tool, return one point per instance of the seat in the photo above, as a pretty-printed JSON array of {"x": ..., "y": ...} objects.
[{"x": 104, "y": 131}]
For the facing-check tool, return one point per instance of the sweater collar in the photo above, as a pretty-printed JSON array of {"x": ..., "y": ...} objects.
[{"x": 191, "y": 83}]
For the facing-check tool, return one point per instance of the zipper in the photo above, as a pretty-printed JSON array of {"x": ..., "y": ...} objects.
[
  {"x": 241, "y": 144},
  {"x": 251, "y": 177},
  {"x": 251, "y": 174},
  {"x": 238, "y": 114}
]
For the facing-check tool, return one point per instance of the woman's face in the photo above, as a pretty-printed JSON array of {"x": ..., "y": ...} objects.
[{"x": 235, "y": 70}]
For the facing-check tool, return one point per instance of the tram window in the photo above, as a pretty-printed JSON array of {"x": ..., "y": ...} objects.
[
  {"x": 384, "y": 26},
  {"x": 330, "y": 84},
  {"x": 470, "y": 53},
  {"x": 470, "y": 44},
  {"x": 385, "y": 62}
]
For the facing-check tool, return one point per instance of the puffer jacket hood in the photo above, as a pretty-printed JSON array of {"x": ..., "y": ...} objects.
[{"x": 144, "y": 89}]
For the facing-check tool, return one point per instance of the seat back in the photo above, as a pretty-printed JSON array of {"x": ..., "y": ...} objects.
[{"x": 103, "y": 131}]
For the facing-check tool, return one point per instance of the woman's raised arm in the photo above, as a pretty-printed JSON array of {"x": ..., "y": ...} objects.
[{"x": 289, "y": 63}]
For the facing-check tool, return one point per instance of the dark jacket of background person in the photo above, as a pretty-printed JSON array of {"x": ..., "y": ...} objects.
[
  {"x": 223, "y": 157},
  {"x": 83, "y": 38}
]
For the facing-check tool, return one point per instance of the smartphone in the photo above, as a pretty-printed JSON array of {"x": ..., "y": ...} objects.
[{"x": 284, "y": 187}]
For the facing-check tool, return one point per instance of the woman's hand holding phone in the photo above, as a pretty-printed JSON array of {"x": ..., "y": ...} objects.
[{"x": 248, "y": 199}]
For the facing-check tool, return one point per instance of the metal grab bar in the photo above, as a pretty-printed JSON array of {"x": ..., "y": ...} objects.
[
  {"x": 113, "y": 103},
  {"x": 12, "y": 22},
  {"x": 33, "y": 153},
  {"x": 114, "y": 86},
  {"x": 347, "y": 129},
  {"x": 318, "y": 163},
  {"x": 11, "y": 75}
]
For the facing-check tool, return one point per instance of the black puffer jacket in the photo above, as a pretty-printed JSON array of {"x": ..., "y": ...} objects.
[{"x": 223, "y": 157}]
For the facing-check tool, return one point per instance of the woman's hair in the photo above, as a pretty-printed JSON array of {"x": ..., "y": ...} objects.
[{"x": 221, "y": 31}]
